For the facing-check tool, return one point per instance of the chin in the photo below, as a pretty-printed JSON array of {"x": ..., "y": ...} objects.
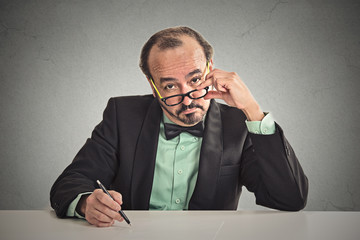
[{"x": 191, "y": 118}]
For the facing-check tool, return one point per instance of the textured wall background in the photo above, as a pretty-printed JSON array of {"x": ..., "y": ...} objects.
[{"x": 60, "y": 61}]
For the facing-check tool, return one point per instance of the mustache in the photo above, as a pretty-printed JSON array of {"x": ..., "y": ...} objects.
[{"x": 186, "y": 107}]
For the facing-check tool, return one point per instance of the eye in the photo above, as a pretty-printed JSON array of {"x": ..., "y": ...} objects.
[
  {"x": 170, "y": 87},
  {"x": 196, "y": 80}
]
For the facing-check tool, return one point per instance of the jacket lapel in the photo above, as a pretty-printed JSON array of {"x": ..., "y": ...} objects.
[
  {"x": 144, "y": 159},
  {"x": 210, "y": 160}
]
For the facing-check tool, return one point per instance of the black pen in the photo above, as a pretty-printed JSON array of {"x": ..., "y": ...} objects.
[{"x": 105, "y": 191}]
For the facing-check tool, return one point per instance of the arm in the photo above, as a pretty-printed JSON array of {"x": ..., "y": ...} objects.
[
  {"x": 269, "y": 167},
  {"x": 271, "y": 170},
  {"x": 97, "y": 159}
]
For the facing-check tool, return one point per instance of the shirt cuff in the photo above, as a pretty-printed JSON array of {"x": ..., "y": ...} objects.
[
  {"x": 264, "y": 127},
  {"x": 71, "y": 212}
]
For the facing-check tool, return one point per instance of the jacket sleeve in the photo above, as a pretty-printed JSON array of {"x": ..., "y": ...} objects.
[
  {"x": 97, "y": 159},
  {"x": 271, "y": 170}
]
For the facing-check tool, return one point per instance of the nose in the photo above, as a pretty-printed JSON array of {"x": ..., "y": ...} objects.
[{"x": 187, "y": 101}]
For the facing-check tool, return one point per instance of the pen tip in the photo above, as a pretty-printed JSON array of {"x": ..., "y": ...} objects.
[{"x": 98, "y": 182}]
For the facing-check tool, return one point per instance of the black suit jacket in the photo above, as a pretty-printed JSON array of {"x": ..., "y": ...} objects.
[{"x": 122, "y": 150}]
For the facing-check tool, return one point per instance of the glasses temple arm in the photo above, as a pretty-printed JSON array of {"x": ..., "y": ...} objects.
[{"x": 155, "y": 88}]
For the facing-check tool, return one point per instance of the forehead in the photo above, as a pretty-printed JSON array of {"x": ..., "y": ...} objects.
[{"x": 178, "y": 61}]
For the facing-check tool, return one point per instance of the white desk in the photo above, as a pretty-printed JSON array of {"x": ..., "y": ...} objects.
[{"x": 246, "y": 225}]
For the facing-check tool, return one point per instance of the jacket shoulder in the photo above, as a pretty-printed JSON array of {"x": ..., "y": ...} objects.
[
  {"x": 132, "y": 104},
  {"x": 129, "y": 110},
  {"x": 138, "y": 100}
]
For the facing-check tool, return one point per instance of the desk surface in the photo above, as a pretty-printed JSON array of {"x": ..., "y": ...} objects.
[{"x": 182, "y": 225}]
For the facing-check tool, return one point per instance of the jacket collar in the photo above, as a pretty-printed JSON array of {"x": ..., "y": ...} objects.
[
  {"x": 210, "y": 160},
  {"x": 144, "y": 159}
]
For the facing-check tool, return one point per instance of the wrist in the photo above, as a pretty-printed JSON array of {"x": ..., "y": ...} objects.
[
  {"x": 253, "y": 112},
  {"x": 81, "y": 206}
]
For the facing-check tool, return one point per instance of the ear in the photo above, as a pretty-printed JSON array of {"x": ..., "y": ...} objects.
[
  {"x": 211, "y": 64},
  {"x": 211, "y": 67},
  {"x": 152, "y": 87}
]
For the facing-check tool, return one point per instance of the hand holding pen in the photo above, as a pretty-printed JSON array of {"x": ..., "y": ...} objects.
[
  {"x": 100, "y": 209},
  {"x": 120, "y": 211}
]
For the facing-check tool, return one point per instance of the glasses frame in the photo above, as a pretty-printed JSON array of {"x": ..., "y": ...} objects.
[
  {"x": 183, "y": 96},
  {"x": 163, "y": 99}
]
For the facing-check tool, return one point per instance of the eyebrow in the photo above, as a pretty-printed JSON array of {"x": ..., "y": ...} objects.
[
  {"x": 167, "y": 79},
  {"x": 192, "y": 73},
  {"x": 170, "y": 79}
]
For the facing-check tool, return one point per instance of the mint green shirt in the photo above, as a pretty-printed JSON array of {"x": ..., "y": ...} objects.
[
  {"x": 176, "y": 170},
  {"x": 176, "y": 167}
]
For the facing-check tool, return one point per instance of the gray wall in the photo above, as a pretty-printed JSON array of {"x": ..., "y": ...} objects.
[{"x": 60, "y": 61}]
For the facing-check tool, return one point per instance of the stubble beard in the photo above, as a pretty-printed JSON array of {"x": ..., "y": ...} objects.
[{"x": 188, "y": 119}]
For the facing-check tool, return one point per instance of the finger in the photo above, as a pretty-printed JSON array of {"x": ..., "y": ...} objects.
[
  {"x": 220, "y": 84},
  {"x": 218, "y": 73},
  {"x": 98, "y": 223},
  {"x": 213, "y": 94},
  {"x": 208, "y": 80},
  {"x": 100, "y": 215},
  {"x": 95, "y": 218},
  {"x": 106, "y": 200},
  {"x": 228, "y": 82},
  {"x": 106, "y": 205},
  {"x": 217, "y": 78},
  {"x": 101, "y": 224},
  {"x": 111, "y": 214},
  {"x": 117, "y": 196},
  {"x": 206, "y": 83}
]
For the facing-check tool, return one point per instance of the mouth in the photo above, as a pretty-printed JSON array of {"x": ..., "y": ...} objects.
[{"x": 188, "y": 111}]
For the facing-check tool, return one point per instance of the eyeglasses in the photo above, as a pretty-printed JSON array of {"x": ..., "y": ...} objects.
[{"x": 179, "y": 98}]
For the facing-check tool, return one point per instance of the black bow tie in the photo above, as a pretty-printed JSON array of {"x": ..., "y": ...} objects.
[{"x": 172, "y": 130}]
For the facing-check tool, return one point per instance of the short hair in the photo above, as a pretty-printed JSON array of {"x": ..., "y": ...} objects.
[{"x": 169, "y": 38}]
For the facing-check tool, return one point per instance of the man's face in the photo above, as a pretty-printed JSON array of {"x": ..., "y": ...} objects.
[{"x": 178, "y": 71}]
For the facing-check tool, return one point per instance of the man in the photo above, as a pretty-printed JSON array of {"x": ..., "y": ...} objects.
[{"x": 178, "y": 148}]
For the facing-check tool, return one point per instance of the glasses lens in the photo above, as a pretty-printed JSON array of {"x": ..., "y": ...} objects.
[
  {"x": 199, "y": 93},
  {"x": 173, "y": 100}
]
